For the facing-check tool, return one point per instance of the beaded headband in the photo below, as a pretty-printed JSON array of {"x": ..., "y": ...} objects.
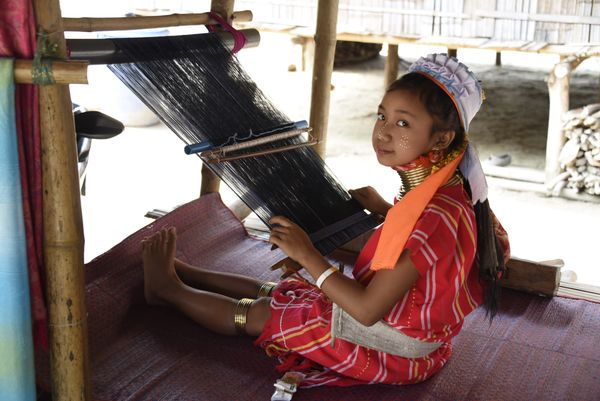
[
  {"x": 464, "y": 89},
  {"x": 456, "y": 80}
]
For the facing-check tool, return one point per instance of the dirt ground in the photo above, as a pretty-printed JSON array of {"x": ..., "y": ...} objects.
[{"x": 145, "y": 167}]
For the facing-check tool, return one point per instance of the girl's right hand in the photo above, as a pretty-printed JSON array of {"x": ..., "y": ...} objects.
[{"x": 370, "y": 199}]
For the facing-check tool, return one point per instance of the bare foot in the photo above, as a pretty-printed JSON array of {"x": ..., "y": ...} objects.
[{"x": 160, "y": 279}]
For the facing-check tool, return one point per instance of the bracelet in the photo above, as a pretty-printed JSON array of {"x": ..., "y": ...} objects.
[{"x": 325, "y": 275}]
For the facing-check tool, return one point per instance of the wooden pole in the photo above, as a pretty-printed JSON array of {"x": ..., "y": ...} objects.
[
  {"x": 63, "y": 72},
  {"x": 63, "y": 228},
  {"x": 210, "y": 182},
  {"x": 325, "y": 39},
  {"x": 125, "y": 23},
  {"x": 558, "y": 92},
  {"x": 391, "y": 65},
  {"x": 223, "y": 7}
]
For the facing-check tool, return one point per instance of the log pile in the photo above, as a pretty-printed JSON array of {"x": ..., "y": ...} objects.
[{"x": 580, "y": 156}]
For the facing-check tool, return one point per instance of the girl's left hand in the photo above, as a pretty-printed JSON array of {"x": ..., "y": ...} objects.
[{"x": 291, "y": 239}]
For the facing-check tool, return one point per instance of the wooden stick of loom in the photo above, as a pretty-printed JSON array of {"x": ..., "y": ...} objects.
[
  {"x": 263, "y": 152},
  {"x": 63, "y": 72},
  {"x": 161, "y": 21},
  {"x": 216, "y": 153}
]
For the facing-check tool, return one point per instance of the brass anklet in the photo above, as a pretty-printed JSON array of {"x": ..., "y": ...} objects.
[
  {"x": 240, "y": 314},
  {"x": 266, "y": 289}
]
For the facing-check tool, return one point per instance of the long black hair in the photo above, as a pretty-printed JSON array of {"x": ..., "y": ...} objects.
[{"x": 490, "y": 254}]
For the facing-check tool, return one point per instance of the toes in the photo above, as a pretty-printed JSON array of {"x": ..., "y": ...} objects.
[
  {"x": 153, "y": 242},
  {"x": 171, "y": 238},
  {"x": 164, "y": 240},
  {"x": 161, "y": 241}
]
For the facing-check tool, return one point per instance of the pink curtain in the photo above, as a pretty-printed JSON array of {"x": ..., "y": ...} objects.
[{"x": 18, "y": 40}]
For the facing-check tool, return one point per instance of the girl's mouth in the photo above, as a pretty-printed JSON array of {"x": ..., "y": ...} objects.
[{"x": 383, "y": 151}]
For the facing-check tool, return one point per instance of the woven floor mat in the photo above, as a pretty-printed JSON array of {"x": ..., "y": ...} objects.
[{"x": 535, "y": 348}]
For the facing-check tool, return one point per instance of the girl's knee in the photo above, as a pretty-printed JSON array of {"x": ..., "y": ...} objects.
[{"x": 258, "y": 315}]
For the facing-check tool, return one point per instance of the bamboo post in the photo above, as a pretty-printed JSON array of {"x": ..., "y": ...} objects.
[
  {"x": 63, "y": 72},
  {"x": 325, "y": 38},
  {"x": 223, "y": 7},
  {"x": 63, "y": 228},
  {"x": 210, "y": 182},
  {"x": 391, "y": 65},
  {"x": 160, "y": 21},
  {"x": 308, "y": 53},
  {"x": 558, "y": 93}
]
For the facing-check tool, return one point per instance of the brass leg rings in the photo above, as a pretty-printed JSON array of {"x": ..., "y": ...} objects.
[
  {"x": 240, "y": 314},
  {"x": 266, "y": 289}
]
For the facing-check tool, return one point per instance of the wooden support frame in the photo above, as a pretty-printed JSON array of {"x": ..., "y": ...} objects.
[
  {"x": 325, "y": 39},
  {"x": 391, "y": 65},
  {"x": 542, "y": 278},
  {"x": 63, "y": 228},
  {"x": 210, "y": 182},
  {"x": 63, "y": 223}
]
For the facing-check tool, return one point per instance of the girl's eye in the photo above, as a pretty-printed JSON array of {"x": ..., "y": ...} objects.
[
  {"x": 402, "y": 123},
  {"x": 380, "y": 117}
]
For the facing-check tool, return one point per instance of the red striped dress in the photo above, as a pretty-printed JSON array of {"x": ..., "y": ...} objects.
[{"x": 442, "y": 248}]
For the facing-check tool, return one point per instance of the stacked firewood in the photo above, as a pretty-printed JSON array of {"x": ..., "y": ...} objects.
[{"x": 580, "y": 155}]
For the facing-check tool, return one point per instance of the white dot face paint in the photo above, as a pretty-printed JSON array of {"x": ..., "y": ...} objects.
[
  {"x": 380, "y": 132},
  {"x": 402, "y": 143}
]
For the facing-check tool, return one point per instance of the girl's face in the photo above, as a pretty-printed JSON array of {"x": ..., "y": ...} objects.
[{"x": 403, "y": 128}]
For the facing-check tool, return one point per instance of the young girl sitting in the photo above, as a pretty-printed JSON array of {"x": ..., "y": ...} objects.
[{"x": 427, "y": 267}]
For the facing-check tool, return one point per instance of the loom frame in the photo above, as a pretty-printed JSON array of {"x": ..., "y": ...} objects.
[{"x": 63, "y": 222}]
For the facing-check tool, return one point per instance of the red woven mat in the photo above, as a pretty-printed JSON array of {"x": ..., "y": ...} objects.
[{"x": 534, "y": 349}]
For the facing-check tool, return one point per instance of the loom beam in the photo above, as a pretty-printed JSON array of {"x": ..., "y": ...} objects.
[
  {"x": 63, "y": 72},
  {"x": 103, "y": 51},
  {"x": 146, "y": 22},
  {"x": 277, "y": 133}
]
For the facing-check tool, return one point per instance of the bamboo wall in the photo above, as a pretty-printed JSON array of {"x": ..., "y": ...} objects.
[{"x": 547, "y": 21}]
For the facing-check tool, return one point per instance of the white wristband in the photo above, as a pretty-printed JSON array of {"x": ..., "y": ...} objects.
[{"x": 325, "y": 275}]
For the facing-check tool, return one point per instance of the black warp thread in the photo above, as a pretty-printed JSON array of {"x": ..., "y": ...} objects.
[{"x": 200, "y": 91}]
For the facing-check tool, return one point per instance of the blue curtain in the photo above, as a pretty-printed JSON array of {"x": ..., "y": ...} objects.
[{"x": 17, "y": 377}]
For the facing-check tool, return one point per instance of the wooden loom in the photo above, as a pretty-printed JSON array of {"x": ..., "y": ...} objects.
[{"x": 63, "y": 226}]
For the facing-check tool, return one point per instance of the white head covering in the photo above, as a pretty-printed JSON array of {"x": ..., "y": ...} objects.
[{"x": 464, "y": 89}]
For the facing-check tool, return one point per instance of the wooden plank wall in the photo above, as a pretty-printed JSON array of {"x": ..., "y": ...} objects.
[{"x": 518, "y": 21}]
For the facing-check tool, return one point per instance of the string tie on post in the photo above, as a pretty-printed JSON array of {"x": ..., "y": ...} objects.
[
  {"x": 239, "y": 39},
  {"x": 45, "y": 52}
]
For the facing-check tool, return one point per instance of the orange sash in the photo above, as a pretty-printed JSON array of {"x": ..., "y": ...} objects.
[{"x": 402, "y": 217}]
